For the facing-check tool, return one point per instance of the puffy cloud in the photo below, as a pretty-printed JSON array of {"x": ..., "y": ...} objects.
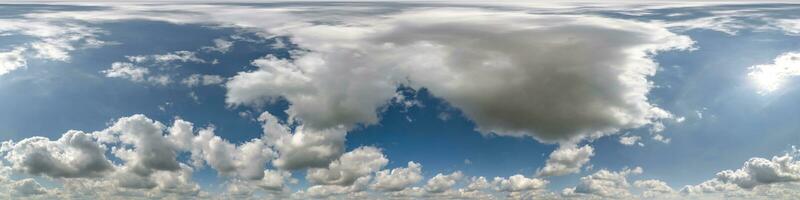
[
  {"x": 760, "y": 171},
  {"x": 770, "y": 77},
  {"x": 127, "y": 71},
  {"x": 603, "y": 183},
  {"x": 247, "y": 160},
  {"x": 151, "y": 150},
  {"x": 398, "y": 178},
  {"x": 566, "y": 159},
  {"x": 354, "y": 191},
  {"x": 459, "y": 55},
  {"x": 352, "y": 165},
  {"x": 302, "y": 147},
  {"x": 441, "y": 183},
  {"x": 12, "y": 60},
  {"x": 478, "y": 183},
  {"x": 653, "y": 188},
  {"x": 758, "y": 177},
  {"x": 517, "y": 183},
  {"x": 197, "y": 79},
  {"x": 75, "y": 154},
  {"x": 629, "y": 140}
]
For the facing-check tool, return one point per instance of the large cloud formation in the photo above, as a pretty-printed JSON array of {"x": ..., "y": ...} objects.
[{"x": 555, "y": 78}]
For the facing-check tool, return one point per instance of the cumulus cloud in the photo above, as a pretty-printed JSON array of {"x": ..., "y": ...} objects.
[
  {"x": 761, "y": 171},
  {"x": 441, "y": 183},
  {"x": 352, "y": 165},
  {"x": 566, "y": 159},
  {"x": 398, "y": 178},
  {"x": 75, "y": 154},
  {"x": 770, "y": 77},
  {"x": 12, "y": 60},
  {"x": 247, "y": 160},
  {"x": 150, "y": 149},
  {"x": 517, "y": 183},
  {"x": 654, "y": 188},
  {"x": 460, "y": 55},
  {"x": 301, "y": 147},
  {"x": 604, "y": 184}
]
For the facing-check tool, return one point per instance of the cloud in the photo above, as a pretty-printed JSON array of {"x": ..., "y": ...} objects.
[
  {"x": 220, "y": 45},
  {"x": 12, "y": 60},
  {"x": 790, "y": 26},
  {"x": 517, "y": 183},
  {"x": 566, "y": 159},
  {"x": 654, "y": 188},
  {"x": 770, "y": 77},
  {"x": 167, "y": 58},
  {"x": 760, "y": 171},
  {"x": 196, "y": 79},
  {"x": 629, "y": 140},
  {"x": 398, "y": 178},
  {"x": 75, "y": 154},
  {"x": 604, "y": 184},
  {"x": 54, "y": 39},
  {"x": 459, "y": 55},
  {"x": 150, "y": 149},
  {"x": 126, "y": 70},
  {"x": 442, "y": 183},
  {"x": 247, "y": 160},
  {"x": 352, "y": 165},
  {"x": 301, "y": 147},
  {"x": 28, "y": 187}
]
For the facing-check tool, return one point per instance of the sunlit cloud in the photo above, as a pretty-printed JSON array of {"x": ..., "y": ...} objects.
[{"x": 771, "y": 77}]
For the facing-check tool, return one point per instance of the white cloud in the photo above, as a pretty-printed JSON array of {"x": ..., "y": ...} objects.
[
  {"x": 604, "y": 184},
  {"x": 790, "y": 26},
  {"x": 150, "y": 150},
  {"x": 127, "y": 71},
  {"x": 770, "y": 77},
  {"x": 75, "y": 154},
  {"x": 302, "y": 147},
  {"x": 220, "y": 45},
  {"x": 197, "y": 79},
  {"x": 246, "y": 161},
  {"x": 12, "y": 60},
  {"x": 352, "y": 165},
  {"x": 654, "y": 188},
  {"x": 566, "y": 159},
  {"x": 398, "y": 178},
  {"x": 760, "y": 171},
  {"x": 629, "y": 140},
  {"x": 55, "y": 39},
  {"x": 478, "y": 183},
  {"x": 517, "y": 183},
  {"x": 442, "y": 183},
  {"x": 371, "y": 58}
]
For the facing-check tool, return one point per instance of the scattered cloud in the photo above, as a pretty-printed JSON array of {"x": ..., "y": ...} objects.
[{"x": 567, "y": 159}]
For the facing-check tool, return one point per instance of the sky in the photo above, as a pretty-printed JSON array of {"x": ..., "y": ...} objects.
[{"x": 415, "y": 100}]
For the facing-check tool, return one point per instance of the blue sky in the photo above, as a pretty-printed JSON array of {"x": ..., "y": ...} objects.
[{"x": 333, "y": 100}]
